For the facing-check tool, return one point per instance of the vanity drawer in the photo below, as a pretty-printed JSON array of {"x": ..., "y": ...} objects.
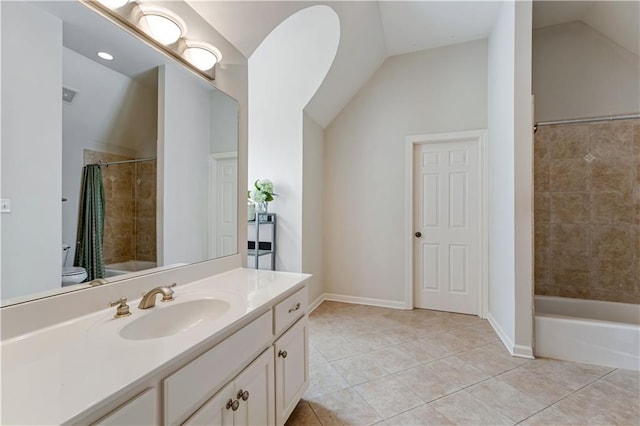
[
  {"x": 289, "y": 310},
  {"x": 190, "y": 387}
]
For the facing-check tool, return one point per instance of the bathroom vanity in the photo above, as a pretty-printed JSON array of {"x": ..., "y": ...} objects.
[{"x": 230, "y": 349}]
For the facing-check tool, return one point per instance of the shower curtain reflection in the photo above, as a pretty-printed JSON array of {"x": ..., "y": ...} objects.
[{"x": 89, "y": 246}]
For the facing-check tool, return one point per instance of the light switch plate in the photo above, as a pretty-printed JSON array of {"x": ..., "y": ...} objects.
[{"x": 5, "y": 205}]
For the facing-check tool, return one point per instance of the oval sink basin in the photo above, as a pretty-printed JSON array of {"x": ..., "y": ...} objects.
[{"x": 172, "y": 319}]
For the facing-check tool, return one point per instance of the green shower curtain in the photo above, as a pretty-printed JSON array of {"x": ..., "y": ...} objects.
[{"x": 89, "y": 248}]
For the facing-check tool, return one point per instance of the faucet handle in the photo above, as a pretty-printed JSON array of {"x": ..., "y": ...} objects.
[
  {"x": 169, "y": 296},
  {"x": 123, "y": 308}
]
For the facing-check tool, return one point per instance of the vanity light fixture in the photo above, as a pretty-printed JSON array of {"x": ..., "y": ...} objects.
[
  {"x": 201, "y": 55},
  {"x": 114, "y": 4},
  {"x": 161, "y": 24},
  {"x": 106, "y": 56}
]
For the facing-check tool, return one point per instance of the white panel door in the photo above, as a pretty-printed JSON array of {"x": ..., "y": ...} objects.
[
  {"x": 446, "y": 215},
  {"x": 223, "y": 233}
]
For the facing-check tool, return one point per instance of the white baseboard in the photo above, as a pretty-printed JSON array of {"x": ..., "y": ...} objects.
[
  {"x": 313, "y": 305},
  {"x": 522, "y": 351},
  {"x": 506, "y": 340},
  {"x": 394, "y": 304},
  {"x": 519, "y": 351}
]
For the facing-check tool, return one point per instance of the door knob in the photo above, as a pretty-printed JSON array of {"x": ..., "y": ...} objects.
[{"x": 418, "y": 234}]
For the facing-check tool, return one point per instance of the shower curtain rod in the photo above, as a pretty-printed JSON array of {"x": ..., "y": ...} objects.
[
  {"x": 587, "y": 120},
  {"x": 100, "y": 163}
]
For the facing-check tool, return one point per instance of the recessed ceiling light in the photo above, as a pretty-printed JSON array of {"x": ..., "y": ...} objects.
[
  {"x": 106, "y": 56},
  {"x": 162, "y": 25},
  {"x": 114, "y": 4},
  {"x": 201, "y": 55}
]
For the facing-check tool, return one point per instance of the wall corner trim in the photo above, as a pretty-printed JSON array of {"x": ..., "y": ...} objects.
[{"x": 313, "y": 305}]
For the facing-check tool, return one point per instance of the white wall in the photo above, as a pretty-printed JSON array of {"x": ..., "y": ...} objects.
[
  {"x": 510, "y": 169},
  {"x": 224, "y": 110},
  {"x": 184, "y": 133},
  {"x": 111, "y": 113},
  {"x": 31, "y": 149},
  {"x": 284, "y": 73},
  {"x": 578, "y": 72},
  {"x": 436, "y": 90},
  {"x": 312, "y": 201}
]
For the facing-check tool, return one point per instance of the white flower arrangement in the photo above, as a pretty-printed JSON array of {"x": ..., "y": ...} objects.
[{"x": 262, "y": 192}]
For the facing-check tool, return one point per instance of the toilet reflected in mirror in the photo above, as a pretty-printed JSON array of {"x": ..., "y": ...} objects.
[{"x": 71, "y": 274}]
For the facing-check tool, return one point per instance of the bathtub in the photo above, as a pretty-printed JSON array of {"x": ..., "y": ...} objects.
[
  {"x": 121, "y": 268},
  {"x": 590, "y": 331}
]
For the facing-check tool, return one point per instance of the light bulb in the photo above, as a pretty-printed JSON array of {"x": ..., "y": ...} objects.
[{"x": 201, "y": 57}]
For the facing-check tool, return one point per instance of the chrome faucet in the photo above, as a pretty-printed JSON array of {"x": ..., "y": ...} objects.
[{"x": 149, "y": 298}]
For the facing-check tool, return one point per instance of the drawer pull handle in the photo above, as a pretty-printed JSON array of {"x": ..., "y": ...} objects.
[
  {"x": 283, "y": 354},
  {"x": 244, "y": 395},
  {"x": 233, "y": 404},
  {"x": 295, "y": 308}
]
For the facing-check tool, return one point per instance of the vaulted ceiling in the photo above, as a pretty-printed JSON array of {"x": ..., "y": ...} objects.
[{"x": 372, "y": 30}]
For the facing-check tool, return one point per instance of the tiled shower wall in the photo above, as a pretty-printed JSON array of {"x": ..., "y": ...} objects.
[
  {"x": 587, "y": 211},
  {"x": 130, "y": 208}
]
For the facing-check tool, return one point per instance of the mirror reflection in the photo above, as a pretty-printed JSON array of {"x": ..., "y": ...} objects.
[{"x": 110, "y": 167}]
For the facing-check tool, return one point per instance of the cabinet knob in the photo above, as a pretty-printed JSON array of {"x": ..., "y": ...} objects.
[
  {"x": 244, "y": 395},
  {"x": 233, "y": 404},
  {"x": 295, "y": 308},
  {"x": 283, "y": 354},
  {"x": 418, "y": 234}
]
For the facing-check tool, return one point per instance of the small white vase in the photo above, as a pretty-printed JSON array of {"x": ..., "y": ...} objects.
[
  {"x": 262, "y": 206},
  {"x": 251, "y": 211}
]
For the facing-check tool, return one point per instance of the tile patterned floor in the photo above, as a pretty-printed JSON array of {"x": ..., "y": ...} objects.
[{"x": 372, "y": 365}]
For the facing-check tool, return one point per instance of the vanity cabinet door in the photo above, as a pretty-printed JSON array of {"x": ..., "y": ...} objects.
[
  {"x": 218, "y": 411},
  {"x": 247, "y": 400},
  {"x": 254, "y": 392},
  {"x": 141, "y": 410},
  {"x": 292, "y": 372}
]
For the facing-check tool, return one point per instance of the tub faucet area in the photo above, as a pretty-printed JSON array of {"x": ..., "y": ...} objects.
[{"x": 149, "y": 298}]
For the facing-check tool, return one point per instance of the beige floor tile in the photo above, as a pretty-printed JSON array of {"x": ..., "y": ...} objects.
[
  {"x": 370, "y": 364},
  {"x": 323, "y": 378},
  {"x": 334, "y": 348},
  {"x": 474, "y": 335},
  {"x": 462, "y": 408},
  {"x": 359, "y": 369},
  {"x": 424, "y": 350},
  {"x": 490, "y": 361},
  {"x": 345, "y": 407},
  {"x": 574, "y": 375},
  {"x": 449, "y": 342},
  {"x": 506, "y": 399},
  {"x": 388, "y": 396},
  {"x": 426, "y": 383},
  {"x": 370, "y": 341},
  {"x": 403, "y": 333},
  {"x": 553, "y": 416},
  {"x": 393, "y": 359},
  {"x": 315, "y": 357},
  {"x": 625, "y": 379},
  {"x": 544, "y": 389},
  {"x": 441, "y": 323},
  {"x": 303, "y": 415},
  {"x": 603, "y": 398},
  {"x": 419, "y": 416},
  {"x": 456, "y": 371}
]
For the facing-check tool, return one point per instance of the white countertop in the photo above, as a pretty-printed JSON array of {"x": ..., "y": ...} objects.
[{"x": 54, "y": 375}]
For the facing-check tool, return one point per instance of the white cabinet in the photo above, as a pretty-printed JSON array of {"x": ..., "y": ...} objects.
[
  {"x": 291, "y": 369},
  {"x": 254, "y": 376},
  {"x": 141, "y": 410},
  {"x": 247, "y": 400},
  {"x": 192, "y": 385}
]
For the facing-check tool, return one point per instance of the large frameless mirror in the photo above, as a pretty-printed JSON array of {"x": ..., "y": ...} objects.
[{"x": 116, "y": 160}]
